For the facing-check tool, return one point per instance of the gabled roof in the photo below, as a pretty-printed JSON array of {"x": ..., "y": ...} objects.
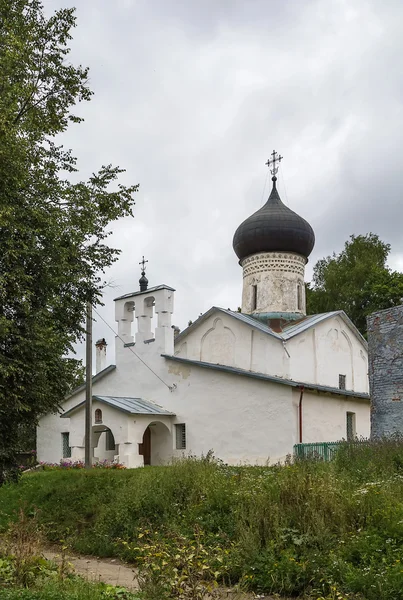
[
  {"x": 247, "y": 319},
  {"x": 95, "y": 378},
  {"x": 269, "y": 378},
  {"x": 131, "y": 406},
  {"x": 297, "y": 327},
  {"x": 288, "y": 332},
  {"x": 147, "y": 291}
]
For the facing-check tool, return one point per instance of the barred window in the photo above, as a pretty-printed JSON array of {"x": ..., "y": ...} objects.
[
  {"x": 180, "y": 431},
  {"x": 342, "y": 382},
  {"x": 98, "y": 416},
  {"x": 66, "y": 448}
]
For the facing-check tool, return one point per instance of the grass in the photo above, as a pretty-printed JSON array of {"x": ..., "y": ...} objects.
[
  {"x": 69, "y": 589},
  {"x": 326, "y": 530}
]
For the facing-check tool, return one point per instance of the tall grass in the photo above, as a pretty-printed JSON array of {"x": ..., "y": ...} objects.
[{"x": 331, "y": 530}]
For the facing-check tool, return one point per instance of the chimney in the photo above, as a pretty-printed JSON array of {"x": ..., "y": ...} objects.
[{"x": 100, "y": 352}]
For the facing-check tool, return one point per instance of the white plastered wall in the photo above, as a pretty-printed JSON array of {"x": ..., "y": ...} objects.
[
  {"x": 322, "y": 353},
  {"x": 324, "y": 417},
  {"x": 242, "y": 419},
  {"x": 222, "y": 339}
]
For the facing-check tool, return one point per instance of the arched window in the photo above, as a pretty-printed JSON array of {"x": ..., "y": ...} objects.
[
  {"x": 98, "y": 416},
  {"x": 254, "y": 297},
  {"x": 299, "y": 296}
]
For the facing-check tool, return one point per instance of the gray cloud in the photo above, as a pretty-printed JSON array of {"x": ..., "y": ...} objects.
[{"x": 191, "y": 98}]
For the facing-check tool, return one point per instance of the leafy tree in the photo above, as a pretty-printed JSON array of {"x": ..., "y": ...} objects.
[
  {"x": 53, "y": 227},
  {"x": 357, "y": 281}
]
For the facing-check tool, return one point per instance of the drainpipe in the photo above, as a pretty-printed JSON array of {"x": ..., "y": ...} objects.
[{"x": 301, "y": 387}]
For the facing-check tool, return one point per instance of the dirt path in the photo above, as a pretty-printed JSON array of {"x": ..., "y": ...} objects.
[{"x": 114, "y": 572}]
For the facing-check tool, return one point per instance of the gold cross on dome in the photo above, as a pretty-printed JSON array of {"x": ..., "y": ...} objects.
[{"x": 271, "y": 163}]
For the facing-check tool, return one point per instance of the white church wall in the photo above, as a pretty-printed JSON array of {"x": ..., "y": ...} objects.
[
  {"x": 162, "y": 443},
  {"x": 241, "y": 419},
  {"x": 324, "y": 417},
  {"x": 51, "y": 426},
  {"x": 221, "y": 339},
  {"x": 231, "y": 414},
  {"x": 268, "y": 355},
  {"x": 326, "y": 351}
]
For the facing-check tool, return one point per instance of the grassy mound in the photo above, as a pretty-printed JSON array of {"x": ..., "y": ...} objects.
[{"x": 330, "y": 530}]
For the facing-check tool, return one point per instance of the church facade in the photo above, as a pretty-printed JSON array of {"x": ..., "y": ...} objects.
[{"x": 247, "y": 385}]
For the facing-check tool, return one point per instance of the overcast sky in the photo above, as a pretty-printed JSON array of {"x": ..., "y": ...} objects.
[{"x": 191, "y": 97}]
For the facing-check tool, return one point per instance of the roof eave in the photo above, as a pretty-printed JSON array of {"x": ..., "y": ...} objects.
[
  {"x": 95, "y": 378},
  {"x": 268, "y": 378},
  {"x": 66, "y": 415}
]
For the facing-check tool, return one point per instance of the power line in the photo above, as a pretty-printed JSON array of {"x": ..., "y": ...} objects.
[
  {"x": 170, "y": 387},
  {"x": 285, "y": 189},
  {"x": 264, "y": 187}
]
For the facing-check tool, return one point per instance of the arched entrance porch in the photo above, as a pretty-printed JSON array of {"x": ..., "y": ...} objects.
[
  {"x": 156, "y": 445},
  {"x": 103, "y": 443}
]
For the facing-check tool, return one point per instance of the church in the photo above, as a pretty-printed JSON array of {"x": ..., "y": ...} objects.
[{"x": 246, "y": 385}]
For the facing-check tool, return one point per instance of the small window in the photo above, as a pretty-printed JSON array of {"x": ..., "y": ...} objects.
[
  {"x": 254, "y": 297},
  {"x": 98, "y": 416},
  {"x": 180, "y": 431},
  {"x": 350, "y": 426},
  {"x": 109, "y": 441},
  {"x": 342, "y": 382},
  {"x": 66, "y": 448},
  {"x": 299, "y": 296}
]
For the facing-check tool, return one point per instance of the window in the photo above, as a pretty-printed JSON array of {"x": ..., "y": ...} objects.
[
  {"x": 254, "y": 297},
  {"x": 109, "y": 440},
  {"x": 299, "y": 296},
  {"x": 180, "y": 431},
  {"x": 66, "y": 449},
  {"x": 98, "y": 416},
  {"x": 342, "y": 382},
  {"x": 350, "y": 426}
]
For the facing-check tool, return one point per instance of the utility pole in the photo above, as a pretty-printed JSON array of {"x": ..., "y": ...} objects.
[{"x": 88, "y": 389}]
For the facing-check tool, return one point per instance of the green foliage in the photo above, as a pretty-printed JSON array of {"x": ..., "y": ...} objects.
[
  {"x": 72, "y": 588},
  {"x": 24, "y": 573},
  {"x": 327, "y": 530},
  {"x": 172, "y": 565},
  {"x": 53, "y": 227},
  {"x": 357, "y": 281}
]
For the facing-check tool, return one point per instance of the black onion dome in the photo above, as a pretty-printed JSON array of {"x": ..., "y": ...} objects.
[
  {"x": 274, "y": 228},
  {"x": 143, "y": 281}
]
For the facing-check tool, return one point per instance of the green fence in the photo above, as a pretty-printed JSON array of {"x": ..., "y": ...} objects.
[{"x": 320, "y": 450}]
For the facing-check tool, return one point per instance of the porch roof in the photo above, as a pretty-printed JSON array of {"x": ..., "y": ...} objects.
[{"x": 132, "y": 406}]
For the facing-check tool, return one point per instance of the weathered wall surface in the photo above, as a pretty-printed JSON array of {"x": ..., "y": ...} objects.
[
  {"x": 244, "y": 420},
  {"x": 223, "y": 340},
  {"x": 322, "y": 353},
  {"x": 317, "y": 355},
  {"x": 279, "y": 277},
  {"x": 324, "y": 417},
  {"x": 385, "y": 341}
]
